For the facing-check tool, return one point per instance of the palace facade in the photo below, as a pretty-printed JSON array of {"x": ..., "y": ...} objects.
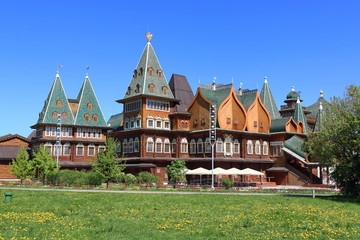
[{"x": 162, "y": 121}]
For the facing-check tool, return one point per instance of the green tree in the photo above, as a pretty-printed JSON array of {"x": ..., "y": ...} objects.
[
  {"x": 227, "y": 183},
  {"x": 106, "y": 162},
  {"x": 44, "y": 163},
  {"x": 176, "y": 171},
  {"x": 21, "y": 166},
  {"x": 338, "y": 142}
]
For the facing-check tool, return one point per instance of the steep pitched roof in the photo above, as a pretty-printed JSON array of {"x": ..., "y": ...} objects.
[
  {"x": 88, "y": 104},
  {"x": 181, "y": 89},
  {"x": 295, "y": 144},
  {"x": 218, "y": 95},
  {"x": 142, "y": 78},
  {"x": 247, "y": 97},
  {"x": 314, "y": 108},
  {"x": 115, "y": 121},
  {"x": 56, "y": 94},
  {"x": 279, "y": 124},
  {"x": 300, "y": 116},
  {"x": 319, "y": 119},
  {"x": 268, "y": 101}
]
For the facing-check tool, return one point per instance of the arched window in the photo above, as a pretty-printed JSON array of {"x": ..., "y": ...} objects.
[
  {"x": 158, "y": 145},
  {"x": 58, "y": 104},
  {"x": 236, "y": 146},
  {"x": 207, "y": 145},
  {"x": 249, "y": 147},
  {"x": 64, "y": 116},
  {"x": 257, "y": 148},
  {"x": 219, "y": 145},
  {"x": 149, "y": 144},
  {"x": 141, "y": 71},
  {"x": 160, "y": 73},
  {"x": 151, "y": 88},
  {"x": 91, "y": 150},
  {"x": 164, "y": 90},
  {"x": 55, "y": 115},
  {"x": 66, "y": 149},
  {"x": 265, "y": 148},
  {"x": 150, "y": 71},
  {"x": 138, "y": 122},
  {"x": 79, "y": 150},
  {"x": 200, "y": 146},
  {"x": 166, "y": 123},
  {"x": 89, "y": 106},
  {"x": 173, "y": 146},
  {"x": 135, "y": 74},
  {"x": 136, "y": 145},
  {"x": 131, "y": 145},
  {"x": 95, "y": 118},
  {"x": 86, "y": 117},
  {"x": 184, "y": 146},
  {"x": 192, "y": 146},
  {"x": 128, "y": 92},
  {"x": 118, "y": 147},
  {"x": 125, "y": 146},
  {"x": 166, "y": 145}
]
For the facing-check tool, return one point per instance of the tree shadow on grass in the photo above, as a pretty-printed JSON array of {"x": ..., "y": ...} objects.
[{"x": 337, "y": 198}]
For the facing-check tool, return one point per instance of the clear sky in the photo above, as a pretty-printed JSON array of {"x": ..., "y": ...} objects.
[{"x": 312, "y": 45}]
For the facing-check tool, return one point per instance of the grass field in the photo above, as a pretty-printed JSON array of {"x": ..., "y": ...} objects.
[{"x": 69, "y": 215}]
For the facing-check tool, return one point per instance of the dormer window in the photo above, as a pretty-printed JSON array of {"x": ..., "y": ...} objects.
[
  {"x": 164, "y": 90},
  {"x": 137, "y": 89},
  {"x": 55, "y": 115},
  {"x": 86, "y": 117},
  {"x": 151, "y": 88},
  {"x": 128, "y": 92},
  {"x": 95, "y": 118},
  {"x": 135, "y": 74},
  {"x": 141, "y": 72},
  {"x": 160, "y": 73},
  {"x": 58, "y": 104},
  {"x": 64, "y": 116},
  {"x": 150, "y": 71},
  {"x": 89, "y": 106}
]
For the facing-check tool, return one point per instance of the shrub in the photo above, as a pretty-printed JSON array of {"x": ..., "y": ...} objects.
[
  {"x": 227, "y": 183},
  {"x": 147, "y": 178},
  {"x": 94, "y": 178},
  {"x": 130, "y": 179}
]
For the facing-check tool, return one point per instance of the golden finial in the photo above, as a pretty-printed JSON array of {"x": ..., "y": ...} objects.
[{"x": 149, "y": 36}]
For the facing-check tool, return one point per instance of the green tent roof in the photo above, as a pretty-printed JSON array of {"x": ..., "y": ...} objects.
[
  {"x": 295, "y": 144},
  {"x": 268, "y": 101}
]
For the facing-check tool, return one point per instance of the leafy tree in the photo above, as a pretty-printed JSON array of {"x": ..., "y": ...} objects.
[
  {"x": 176, "y": 171},
  {"x": 147, "y": 178},
  {"x": 107, "y": 164},
  {"x": 44, "y": 163},
  {"x": 21, "y": 166},
  {"x": 338, "y": 142}
]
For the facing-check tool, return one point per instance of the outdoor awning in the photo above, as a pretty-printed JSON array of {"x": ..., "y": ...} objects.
[
  {"x": 285, "y": 149},
  {"x": 198, "y": 171}
]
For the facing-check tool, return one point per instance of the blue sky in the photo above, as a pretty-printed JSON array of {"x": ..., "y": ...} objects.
[{"x": 312, "y": 45}]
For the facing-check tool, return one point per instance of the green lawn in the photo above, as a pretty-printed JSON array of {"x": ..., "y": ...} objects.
[{"x": 69, "y": 215}]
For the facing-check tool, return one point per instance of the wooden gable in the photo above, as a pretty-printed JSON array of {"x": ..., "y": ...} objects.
[
  {"x": 259, "y": 119},
  {"x": 199, "y": 109}
]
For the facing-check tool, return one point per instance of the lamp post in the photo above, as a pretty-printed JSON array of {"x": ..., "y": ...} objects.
[
  {"x": 212, "y": 133},
  {"x": 58, "y": 139}
]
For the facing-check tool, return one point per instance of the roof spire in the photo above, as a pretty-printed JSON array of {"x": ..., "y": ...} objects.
[
  {"x": 265, "y": 80},
  {"x": 321, "y": 93},
  {"x": 87, "y": 71},
  {"x": 214, "y": 83},
  {"x": 149, "y": 36},
  {"x": 292, "y": 88}
]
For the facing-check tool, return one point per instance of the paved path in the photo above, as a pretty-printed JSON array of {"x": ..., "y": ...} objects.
[{"x": 164, "y": 192}]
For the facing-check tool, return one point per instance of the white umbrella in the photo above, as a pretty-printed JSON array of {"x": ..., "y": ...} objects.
[
  {"x": 249, "y": 171},
  {"x": 220, "y": 171},
  {"x": 199, "y": 171},
  {"x": 234, "y": 171}
]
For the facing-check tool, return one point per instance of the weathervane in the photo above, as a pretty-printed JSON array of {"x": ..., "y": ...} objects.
[{"x": 149, "y": 36}]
